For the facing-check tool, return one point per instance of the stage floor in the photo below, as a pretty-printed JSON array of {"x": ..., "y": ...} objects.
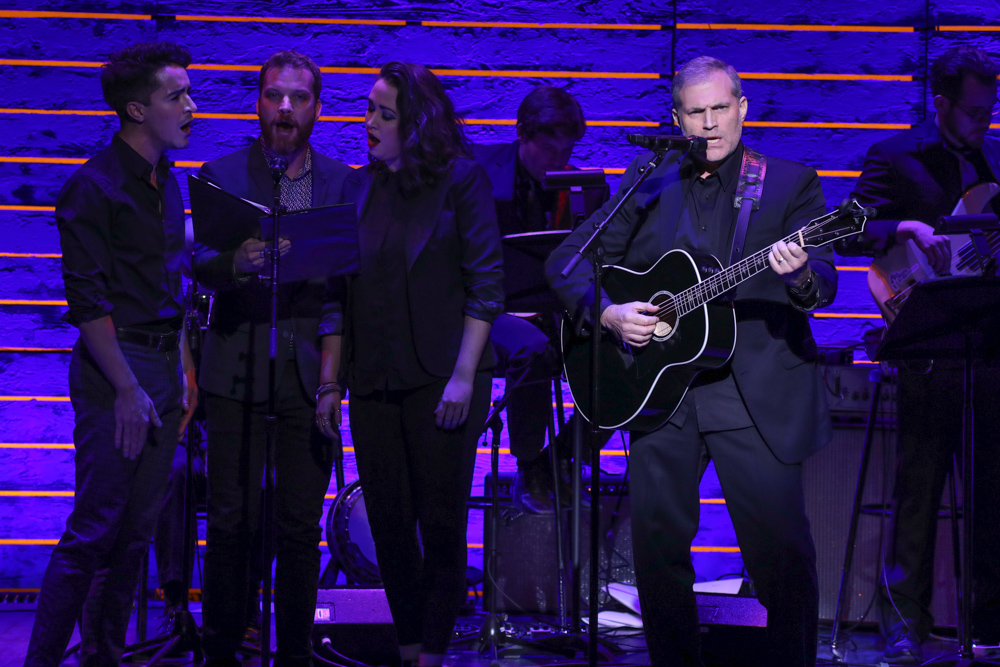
[{"x": 864, "y": 646}]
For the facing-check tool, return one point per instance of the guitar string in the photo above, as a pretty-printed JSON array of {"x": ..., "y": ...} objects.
[{"x": 709, "y": 288}]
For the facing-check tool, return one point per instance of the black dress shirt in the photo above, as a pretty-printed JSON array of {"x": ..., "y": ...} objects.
[
  {"x": 706, "y": 227},
  {"x": 122, "y": 241},
  {"x": 383, "y": 353}
]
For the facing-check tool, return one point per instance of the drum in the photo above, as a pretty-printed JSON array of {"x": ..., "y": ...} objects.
[{"x": 349, "y": 537}]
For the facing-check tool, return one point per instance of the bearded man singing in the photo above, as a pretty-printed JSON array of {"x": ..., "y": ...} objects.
[{"x": 234, "y": 377}]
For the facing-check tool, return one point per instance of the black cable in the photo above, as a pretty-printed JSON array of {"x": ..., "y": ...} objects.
[{"x": 325, "y": 643}]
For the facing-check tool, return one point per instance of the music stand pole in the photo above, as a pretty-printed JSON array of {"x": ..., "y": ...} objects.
[
  {"x": 595, "y": 252},
  {"x": 278, "y": 167}
]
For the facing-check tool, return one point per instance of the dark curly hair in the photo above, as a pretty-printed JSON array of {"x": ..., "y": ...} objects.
[
  {"x": 130, "y": 73},
  {"x": 431, "y": 134}
]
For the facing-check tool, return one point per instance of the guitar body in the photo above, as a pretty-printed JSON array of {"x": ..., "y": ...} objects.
[
  {"x": 892, "y": 275},
  {"x": 642, "y": 387}
]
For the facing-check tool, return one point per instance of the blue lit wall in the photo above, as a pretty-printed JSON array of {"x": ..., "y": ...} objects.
[{"x": 825, "y": 79}]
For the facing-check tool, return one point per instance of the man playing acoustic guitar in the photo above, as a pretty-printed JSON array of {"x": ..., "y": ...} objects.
[
  {"x": 912, "y": 179},
  {"x": 759, "y": 414}
]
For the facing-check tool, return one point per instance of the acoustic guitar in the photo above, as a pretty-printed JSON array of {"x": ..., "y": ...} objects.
[{"x": 696, "y": 329}]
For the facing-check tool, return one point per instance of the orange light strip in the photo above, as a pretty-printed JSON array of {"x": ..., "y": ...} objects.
[
  {"x": 31, "y": 302},
  {"x": 848, "y": 316},
  {"x": 280, "y": 19},
  {"x": 49, "y": 63},
  {"x": 549, "y": 74},
  {"x": 715, "y": 550},
  {"x": 36, "y": 349},
  {"x": 60, "y": 112},
  {"x": 43, "y": 160},
  {"x": 794, "y": 76},
  {"x": 536, "y": 26},
  {"x": 484, "y": 24},
  {"x": 828, "y": 126},
  {"x": 967, "y": 28},
  {"x": 40, "y": 399},
  {"x": 793, "y": 28},
  {"x": 852, "y": 268},
  {"x": 36, "y": 494},
  {"x": 201, "y": 543},
  {"x": 21, "y": 14},
  {"x": 468, "y": 121},
  {"x": 831, "y": 173},
  {"x": 35, "y": 445},
  {"x": 367, "y": 70},
  {"x": 32, "y": 255},
  {"x": 713, "y": 501},
  {"x": 18, "y": 207}
]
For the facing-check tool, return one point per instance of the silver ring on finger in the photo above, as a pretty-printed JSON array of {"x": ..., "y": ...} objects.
[{"x": 780, "y": 260}]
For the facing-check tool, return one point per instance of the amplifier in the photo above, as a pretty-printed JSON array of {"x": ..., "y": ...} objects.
[
  {"x": 527, "y": 568},
  {"x": 358, "y": 624},
  {"x": 830, "y": 477}
]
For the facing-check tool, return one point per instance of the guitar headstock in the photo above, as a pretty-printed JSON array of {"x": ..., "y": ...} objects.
[{"x": 849, "y": 219}]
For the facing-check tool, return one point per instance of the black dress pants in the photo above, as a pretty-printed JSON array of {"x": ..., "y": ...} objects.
[
  {"x": 303, "y": 462},
  {"x": 95, "y": 566},
  {"x": 930, "y": 431},
  {"x": 765, "y": 501},
  {"x": 414, "y": 474}
]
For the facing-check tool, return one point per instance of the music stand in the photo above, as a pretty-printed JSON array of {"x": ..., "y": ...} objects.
[{"x": 952, "y": 318}]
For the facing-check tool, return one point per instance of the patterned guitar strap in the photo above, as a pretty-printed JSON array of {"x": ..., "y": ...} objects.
[{"x": 747, "y": 199}]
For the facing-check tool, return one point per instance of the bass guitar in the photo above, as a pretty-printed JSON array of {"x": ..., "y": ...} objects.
[
  {"x": 892, "y": 275},
  {"x": 696, "y": 331}
]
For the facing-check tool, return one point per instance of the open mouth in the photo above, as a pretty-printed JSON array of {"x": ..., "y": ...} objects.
[
  {"x": 284, "y": 126},
  {"x": 186, "y": 127},
  {"x": 372, "y": 141}
]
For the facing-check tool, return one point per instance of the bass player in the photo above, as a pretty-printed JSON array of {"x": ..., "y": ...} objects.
[{"x": 913, "y": 178}]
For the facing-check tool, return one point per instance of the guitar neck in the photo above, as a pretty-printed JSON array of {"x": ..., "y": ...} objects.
[{"x": 725, "y": 280}]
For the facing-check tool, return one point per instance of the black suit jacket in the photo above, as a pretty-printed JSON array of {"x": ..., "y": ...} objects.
[
  {"x": 500, "y": 162},
  {"x": 774, "y": 363},
  {"x": 235, "y": 357},
  {"x": 909, "y": 176},
  {"x": 454, "y": 266}
]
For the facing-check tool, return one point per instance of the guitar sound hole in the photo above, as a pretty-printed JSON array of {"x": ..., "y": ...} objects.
[{"x": 667, "y": 325}]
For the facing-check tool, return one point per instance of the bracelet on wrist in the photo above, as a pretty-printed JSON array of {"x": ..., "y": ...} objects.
[{"x": 328, "y": 388}]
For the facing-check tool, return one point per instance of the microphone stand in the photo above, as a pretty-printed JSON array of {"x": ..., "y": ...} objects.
[
  {"x": 594, "y": 251},
  {"x": 278, "y": 167}
]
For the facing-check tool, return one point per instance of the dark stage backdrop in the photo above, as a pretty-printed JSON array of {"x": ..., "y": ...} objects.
[{"x": 825, "y": 79}]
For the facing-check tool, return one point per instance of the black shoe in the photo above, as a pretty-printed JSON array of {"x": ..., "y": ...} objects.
[
  {"x": 903, "y": 648},
  {"x": 532, "y": 488}
]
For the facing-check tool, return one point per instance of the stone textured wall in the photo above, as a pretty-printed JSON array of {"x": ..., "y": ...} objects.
[{"x": 825, "y": 79}]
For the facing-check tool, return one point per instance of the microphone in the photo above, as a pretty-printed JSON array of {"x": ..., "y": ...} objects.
[
  {"x": 278, "y": 166},
  {"x": 669, "y": 142}
]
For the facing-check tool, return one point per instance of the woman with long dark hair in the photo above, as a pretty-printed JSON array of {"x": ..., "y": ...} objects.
[{"x": 417, "y": 361}]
